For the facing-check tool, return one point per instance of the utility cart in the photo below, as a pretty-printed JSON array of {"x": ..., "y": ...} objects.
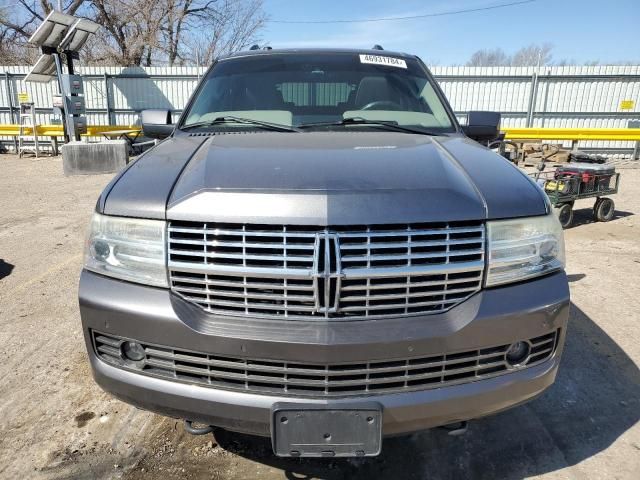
[{"x": 575, "y": 181}]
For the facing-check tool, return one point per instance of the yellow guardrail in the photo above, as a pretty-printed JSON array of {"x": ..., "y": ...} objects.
[
  {"x": 612, "y": 134},
  {"x": 57, "y": 130}
]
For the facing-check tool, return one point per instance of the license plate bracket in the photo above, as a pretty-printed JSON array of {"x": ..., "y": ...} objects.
[{"x": 352, "y": 430}]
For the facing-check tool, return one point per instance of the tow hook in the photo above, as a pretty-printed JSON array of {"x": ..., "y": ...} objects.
[
  {"x": 188, "y": 426},
  {"x": 456, "y": 429}
]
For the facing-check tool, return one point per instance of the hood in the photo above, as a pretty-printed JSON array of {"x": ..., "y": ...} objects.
[
  {"x": 333, "y": 178},
  {"x": 142, "y": 189}
]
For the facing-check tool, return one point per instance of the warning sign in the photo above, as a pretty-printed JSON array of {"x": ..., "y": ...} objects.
[
  {"x": 23, "y": 97},
  {"x": 627, "y": 104}
]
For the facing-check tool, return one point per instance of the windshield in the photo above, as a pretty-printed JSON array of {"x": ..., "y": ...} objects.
[{"x": 302, "y": 89}]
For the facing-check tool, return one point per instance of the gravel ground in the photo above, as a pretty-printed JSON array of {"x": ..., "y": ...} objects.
[{"x": 56, "y": 423}]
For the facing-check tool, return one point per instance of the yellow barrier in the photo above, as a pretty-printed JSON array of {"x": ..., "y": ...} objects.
[
  {"x": 57, "y": 131},
  {"x": 614, "y": 134}
]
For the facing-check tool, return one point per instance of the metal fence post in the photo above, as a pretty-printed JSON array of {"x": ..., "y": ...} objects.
[
  {"x": 547, "y": 81},
  {"x": 12, "y": 111},
  {"x": 110, "y": 121},
  {"x": 532, "y": 99},
  {"x": 636, "y": 148}
]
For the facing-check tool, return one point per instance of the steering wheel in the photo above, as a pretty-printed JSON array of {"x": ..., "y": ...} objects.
[{"x": 381, "y": 104}]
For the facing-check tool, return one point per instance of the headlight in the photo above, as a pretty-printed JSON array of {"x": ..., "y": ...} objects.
[
  {"x": 524, "y": 248},
  {"x": 127, "y": 248}
]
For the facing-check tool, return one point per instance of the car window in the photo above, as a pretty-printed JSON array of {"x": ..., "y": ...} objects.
[{"x": 298, "y": 89}]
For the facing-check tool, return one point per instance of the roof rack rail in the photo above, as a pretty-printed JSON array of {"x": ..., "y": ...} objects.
[
  {"x": 255, "y": 47},
  {"x": 377, "y": 47}
]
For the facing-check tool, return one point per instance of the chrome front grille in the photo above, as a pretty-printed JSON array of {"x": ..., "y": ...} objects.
[
  {"x": 311, "y": 379},
  {"x": 285, "y": 271}
]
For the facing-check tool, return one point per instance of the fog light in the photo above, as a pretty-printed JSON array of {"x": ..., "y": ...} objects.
[
  {"x": 133, "y": 351},
  {"x": 517, "y": 353},
  {"x": 102, "y": 249}
]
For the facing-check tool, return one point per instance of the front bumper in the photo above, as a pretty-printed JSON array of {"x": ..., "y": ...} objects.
[{"x": 492, "y": 317}]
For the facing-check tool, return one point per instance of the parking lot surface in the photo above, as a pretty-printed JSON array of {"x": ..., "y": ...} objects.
[{"x": 56, "y": 423}]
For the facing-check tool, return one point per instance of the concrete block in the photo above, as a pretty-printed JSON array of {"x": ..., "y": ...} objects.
[{"x": 81, "y": 158}]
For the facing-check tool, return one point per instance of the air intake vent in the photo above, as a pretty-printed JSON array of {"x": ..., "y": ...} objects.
[
  {"x": 226, "y": 132},
  {"x": 320, "y": 380}
]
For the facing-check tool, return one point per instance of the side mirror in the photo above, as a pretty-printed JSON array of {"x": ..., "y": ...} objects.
[
  {"x": 156, "y": 123},
  {"x": 482, "y": 126}
]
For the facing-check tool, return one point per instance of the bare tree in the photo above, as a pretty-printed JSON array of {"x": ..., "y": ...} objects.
[
  {"x": 488, "y": 58},
  {"x": 565, "y": 62},
  {"x": 141, "y": 32},
  {"x": 225, "y": 26},
  {"x": 29, "y": 13},
  {"x": 129, "y": 31},
  {"x": 533, "y": 55},
  {"x": 19, "y": 22}
]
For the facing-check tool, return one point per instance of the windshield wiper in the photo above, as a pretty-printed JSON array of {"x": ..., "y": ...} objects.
[
  {"x": 233, "y": 119},
  {"x": 391, "y": 125}
]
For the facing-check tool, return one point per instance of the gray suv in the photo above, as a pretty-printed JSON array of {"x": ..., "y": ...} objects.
[{"x": 317, "y": 252}]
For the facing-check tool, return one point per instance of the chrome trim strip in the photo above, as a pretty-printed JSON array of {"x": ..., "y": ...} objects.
[{"x": 417, "y": 270}]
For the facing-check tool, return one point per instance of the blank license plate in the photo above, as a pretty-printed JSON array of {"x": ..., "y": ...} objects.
[{"x": 318, "y": 431}]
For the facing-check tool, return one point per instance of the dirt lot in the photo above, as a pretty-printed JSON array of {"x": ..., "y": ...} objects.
[{"x": 56, "y": 423}]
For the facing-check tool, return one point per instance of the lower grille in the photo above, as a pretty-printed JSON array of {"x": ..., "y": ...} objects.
[{"x": 322, "y": 380}]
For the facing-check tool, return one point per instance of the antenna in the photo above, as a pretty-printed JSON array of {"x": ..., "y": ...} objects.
[{"x": 377, "y": 47}]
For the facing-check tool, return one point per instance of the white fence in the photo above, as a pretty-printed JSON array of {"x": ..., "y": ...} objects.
[{"x": 589, "y": 96}]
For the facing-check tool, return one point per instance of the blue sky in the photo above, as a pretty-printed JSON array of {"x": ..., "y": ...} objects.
[{"x": 580, "y": 30}]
